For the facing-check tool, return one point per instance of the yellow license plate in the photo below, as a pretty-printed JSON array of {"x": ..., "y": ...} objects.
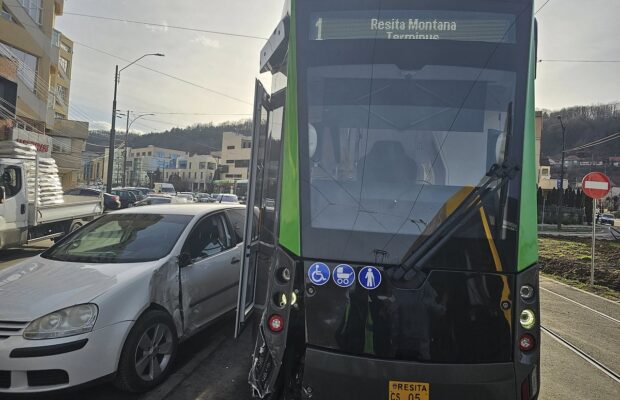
[{"x": 409, "y": 390}]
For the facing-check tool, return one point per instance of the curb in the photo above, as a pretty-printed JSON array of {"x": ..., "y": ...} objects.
[{"x": 176, "y": 379}]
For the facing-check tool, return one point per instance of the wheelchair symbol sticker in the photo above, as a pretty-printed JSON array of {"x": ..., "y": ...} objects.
[
  {"x": 319, "y": 274},
  {"x": 369, "y": 278},
  {"x": 344, "y": 275}
]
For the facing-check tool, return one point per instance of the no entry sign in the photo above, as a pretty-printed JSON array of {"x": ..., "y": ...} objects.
[{"x": 596, "y": 185}]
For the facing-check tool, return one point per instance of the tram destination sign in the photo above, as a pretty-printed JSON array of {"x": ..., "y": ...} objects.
[{"x": 413, "y": 25}]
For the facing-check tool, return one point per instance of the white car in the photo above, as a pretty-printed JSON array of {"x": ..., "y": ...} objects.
[{"x": 114, "y": 298}]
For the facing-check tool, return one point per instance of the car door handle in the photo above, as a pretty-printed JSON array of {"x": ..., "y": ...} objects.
[{"x": 235, "y": 260}]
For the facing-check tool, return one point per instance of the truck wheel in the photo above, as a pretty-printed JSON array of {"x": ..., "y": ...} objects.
[{"x": 148, "y": 354}]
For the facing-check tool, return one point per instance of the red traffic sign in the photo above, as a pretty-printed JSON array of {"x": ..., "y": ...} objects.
[{"x": 596, "y": 185}]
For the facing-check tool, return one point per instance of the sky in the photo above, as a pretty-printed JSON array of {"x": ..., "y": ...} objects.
[{"x": 568, "y": 29}]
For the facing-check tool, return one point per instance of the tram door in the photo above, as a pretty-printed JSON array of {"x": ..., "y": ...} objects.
[{"x": 262, "y": 204}]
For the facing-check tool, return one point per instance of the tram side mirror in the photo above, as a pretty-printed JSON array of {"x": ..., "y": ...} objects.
[
  {"x": 185, "y": 259},
  {"x": 2, "y": 194}
]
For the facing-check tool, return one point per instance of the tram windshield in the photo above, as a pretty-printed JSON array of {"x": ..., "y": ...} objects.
[{"x": 404, "y": 110}]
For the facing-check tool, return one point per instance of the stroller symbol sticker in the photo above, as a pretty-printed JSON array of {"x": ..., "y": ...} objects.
[
  {"x": 344, "y": 275},
  {"x": 319, "y": 274},
  {"x": 369, "y": 278}
]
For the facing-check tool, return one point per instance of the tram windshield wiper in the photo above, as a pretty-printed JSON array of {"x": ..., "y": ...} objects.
[{"x": 415, "y": 258}]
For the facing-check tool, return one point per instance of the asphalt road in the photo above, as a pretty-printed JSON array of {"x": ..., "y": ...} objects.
[{"x": 214, "y": 366}]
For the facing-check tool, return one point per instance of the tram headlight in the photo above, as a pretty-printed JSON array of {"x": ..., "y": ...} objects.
[
  {"x": 527, "y": 319},
  {"x": 526, "y": 292}
]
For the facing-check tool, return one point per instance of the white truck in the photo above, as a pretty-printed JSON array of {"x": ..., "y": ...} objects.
[
  {"x": 164, "y": 188},
  {"x": 24, "y": 220}
]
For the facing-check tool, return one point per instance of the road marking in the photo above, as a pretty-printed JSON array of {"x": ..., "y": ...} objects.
[
  {"x": 597, "y": 364},
  {"x": 616, "y": 302},
  {"x": 582, "y": 305}
]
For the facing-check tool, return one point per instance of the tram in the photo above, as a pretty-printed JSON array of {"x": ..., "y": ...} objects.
[{"x": 391, "y": 239}]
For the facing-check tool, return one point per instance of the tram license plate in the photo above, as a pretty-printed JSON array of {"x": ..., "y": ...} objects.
[{"x": 409, "y": 390}]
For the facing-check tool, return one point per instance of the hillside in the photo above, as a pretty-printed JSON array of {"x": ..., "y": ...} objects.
[
  {"x": 195, "y": 139},
  {"x": 583, "y": 124}
]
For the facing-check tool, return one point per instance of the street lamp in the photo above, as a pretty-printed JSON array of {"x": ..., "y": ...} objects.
[
  {"x": 561, "y": 198},
  {"x": 117, "y": 76}
]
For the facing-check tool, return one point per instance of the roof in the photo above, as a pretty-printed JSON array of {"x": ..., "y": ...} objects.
[{"x": 180, "y": 209}]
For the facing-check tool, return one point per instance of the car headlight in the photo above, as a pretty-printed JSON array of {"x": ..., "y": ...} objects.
[{"x": 69, "y": 321}]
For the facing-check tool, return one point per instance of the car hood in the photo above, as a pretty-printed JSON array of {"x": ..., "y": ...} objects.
[{"x": 39, "y": 286}]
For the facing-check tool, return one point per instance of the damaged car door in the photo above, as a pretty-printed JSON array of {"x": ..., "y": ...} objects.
[{"x": 209, "y": 265}]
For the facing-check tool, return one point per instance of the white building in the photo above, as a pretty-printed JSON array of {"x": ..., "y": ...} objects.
[{"x": 235, "y": 156}]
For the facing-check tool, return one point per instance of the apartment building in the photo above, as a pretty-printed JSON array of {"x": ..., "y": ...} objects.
[
  {"x": 196, "y": 172},
  {"x": 235, "y": 157},
  {"x": 43, "y": 58}
]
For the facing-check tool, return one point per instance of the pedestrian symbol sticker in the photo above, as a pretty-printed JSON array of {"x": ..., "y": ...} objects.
[
  {"x": 344, "y": 275},
  {"x": 369, "y": 278},
  {"x": 319, "y": 274}
]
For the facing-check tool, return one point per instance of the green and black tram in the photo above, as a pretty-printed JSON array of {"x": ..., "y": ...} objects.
[{"x": 391, "y": 245}]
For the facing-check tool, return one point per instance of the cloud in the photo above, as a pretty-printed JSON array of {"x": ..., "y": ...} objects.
[
  {"x": 206, "y": 41},
  {"x": 100, "y": 126}
]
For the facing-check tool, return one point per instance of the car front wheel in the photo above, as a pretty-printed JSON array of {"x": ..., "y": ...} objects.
[{"x": 148, "y": 354}]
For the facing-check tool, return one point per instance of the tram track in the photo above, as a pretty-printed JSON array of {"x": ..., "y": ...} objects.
[
  {"x": 582, "y": 354},
  {"x": 602, "y": 314}
]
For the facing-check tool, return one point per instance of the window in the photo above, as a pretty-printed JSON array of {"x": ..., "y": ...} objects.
[
  {"x": 190, "y": 165},
  {"x": 64, "y": 64},
  {"x": 65, "y": 47},
  {"x": 246, "y": 144},
  {"x": 61, "y": 145},
  {"x": 209, "y": 238},
  {"x": 230, "y": 161},
  {"x": 211, "y": 165},
  {"x": 56, "y": 38},
  {"x": 59, "y": 116},
  {"x": 150, "y": 152},
  {"x": 183, "y": 174},
  {"x": 224, "y": 168},
  {"x": 195, "y": 175},
  {"x": 202, "y": 175},
  {"x": 122, "y": 239},
  {"x": 10, "y": 180},
  {"x": 33, "y": 8},
  {"x": 230, "y": 147},
  {"x": 237, "y": 221},
  {"x": 61, "y": 91},
  {"x": 202, "y": 165},
  {"x": 27, "y": 65},
  {"x": 242, "y": 163}
]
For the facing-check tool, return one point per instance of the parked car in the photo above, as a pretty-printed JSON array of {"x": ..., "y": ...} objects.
[
  {"x": 225, "y": 198},
  {"x": 110, "y": 201},
  {"x": 187, "y": 196},
  {"x": 203, "y": 197},
  {"x": 607, "y": 219},
  {"x": 154, "y": 200},
  {"x": 113, "y": 299},
  {"x": 127, "y": 197}
]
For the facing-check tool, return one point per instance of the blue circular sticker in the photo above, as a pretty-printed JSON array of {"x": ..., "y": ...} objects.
[
  {"x": 369, "y": 278},
  {"x": 319, "y": 274},
  {"x": 344, "y": 275}
]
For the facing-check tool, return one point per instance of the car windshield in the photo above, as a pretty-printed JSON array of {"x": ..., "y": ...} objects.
[{"x": 121, "y": 238}]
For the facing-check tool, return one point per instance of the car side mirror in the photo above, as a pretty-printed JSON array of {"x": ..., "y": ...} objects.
[
  {"x": 185, "y": 259},
  {"x": 2, "y": 194}
]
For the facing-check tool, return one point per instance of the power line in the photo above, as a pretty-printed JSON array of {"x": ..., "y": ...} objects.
[
  {"x": 165, "y": 74},
  {"x": 541, "y": 7},
  {"x": 185, "y": 28},
  {"x": 596, "y": 142}
]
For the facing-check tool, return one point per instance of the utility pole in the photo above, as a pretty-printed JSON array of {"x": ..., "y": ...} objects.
[
  {"x": 113, "y": 129},
  {"x": 112, "y": 136},
  {"x": 561, "y": 197}
]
